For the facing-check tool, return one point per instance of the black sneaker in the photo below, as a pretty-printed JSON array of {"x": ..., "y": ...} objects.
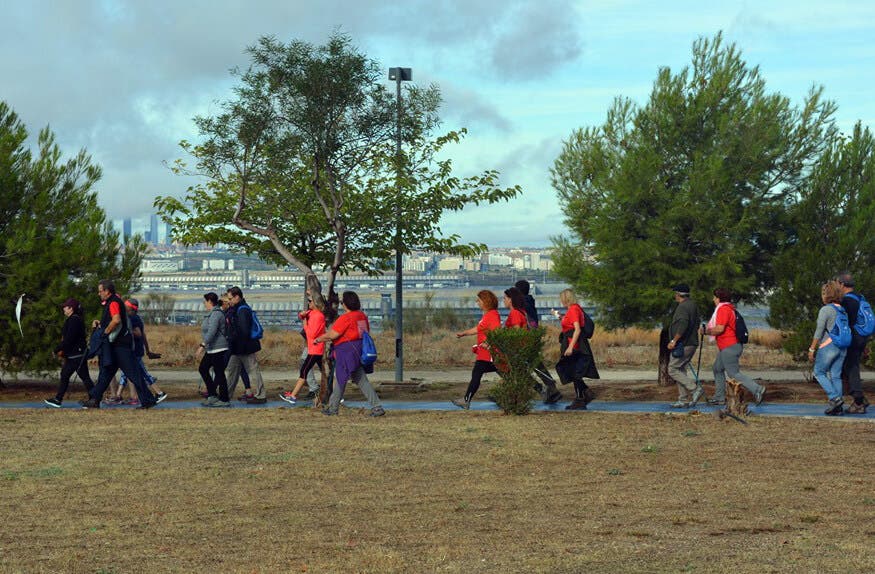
[
  {"x": 377, "y": 412},
  {"x": 329, "y": 412},
  {"x": 256, "y": 401},
  {"x": 835, "y": 408},
  {"x": 146, "y": 405},
  {"x": 309, "y": 395},
  {"x": 588, "y": 395},
  {"x": 90, "y": 404},
  {"x": 53, "y": 402},
  {"x": 553, "y": 398}
]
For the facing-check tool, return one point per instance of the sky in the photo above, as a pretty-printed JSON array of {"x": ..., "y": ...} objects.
[{"x": 123, "y": 79}]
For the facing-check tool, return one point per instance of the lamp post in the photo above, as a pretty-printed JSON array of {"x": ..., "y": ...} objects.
[{"x": 399, "y": 75}]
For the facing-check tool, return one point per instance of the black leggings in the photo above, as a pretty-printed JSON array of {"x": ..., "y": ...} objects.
[
  {"x": 79, "y": 366},
  {"x": 216, "y": 362},
  {"x": 308, "y": 365},
  {"x": 480, "y": 368}
]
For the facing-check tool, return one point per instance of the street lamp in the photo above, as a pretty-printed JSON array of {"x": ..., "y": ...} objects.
[{"x": 399, "y": 75}]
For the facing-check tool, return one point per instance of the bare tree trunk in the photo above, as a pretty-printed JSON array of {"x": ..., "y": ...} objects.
[{"x": 664, "y": 379}]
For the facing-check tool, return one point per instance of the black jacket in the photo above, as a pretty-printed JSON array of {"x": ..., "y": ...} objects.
[
  {"x": 124, "y": 338},
  {"x": 240, "y": 323},
  {"x": 72, "y": 337},
  {"x": 531, "y": 311}
]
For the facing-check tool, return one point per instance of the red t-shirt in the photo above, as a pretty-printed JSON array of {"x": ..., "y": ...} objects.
[
  {"x": 516, "y": 319},
  {"x": 114, "y": 308},
  {"x": 490, "y": 320},
  {"x": 351, "y": 325},
  {"x": 314, "y": 326},
  {"x": 726, "y": 316},
  {"x": 573, "y": 315}
]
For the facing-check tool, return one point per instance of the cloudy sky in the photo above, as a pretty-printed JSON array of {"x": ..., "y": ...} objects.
[{"x": 124, "y": 78}]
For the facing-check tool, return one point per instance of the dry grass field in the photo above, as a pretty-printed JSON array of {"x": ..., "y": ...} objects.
[
  {"x": 283, "y": 490},
  {"x": 626, "y": 347}
]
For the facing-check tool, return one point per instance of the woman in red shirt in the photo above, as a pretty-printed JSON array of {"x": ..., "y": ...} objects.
[
  {"x": 576, "y": 359},
  {"x": 346, "y": 333},
  {"x": 314, "y": 326},
  {"x": 488, "y": 302},
  {"x": 722, "y": 328},
  {"x": 516, "y": 302}
]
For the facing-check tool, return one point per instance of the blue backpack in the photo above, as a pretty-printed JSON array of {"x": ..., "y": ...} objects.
[
  {"x": 841, "y": 331},
  {"x": 256, "y": 331},
  {"x": 865, "y": 324},
  {"x": 369, "y": 350}
]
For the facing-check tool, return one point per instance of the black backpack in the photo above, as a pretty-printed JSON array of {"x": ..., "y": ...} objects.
[{"x": 741, "y": 332}]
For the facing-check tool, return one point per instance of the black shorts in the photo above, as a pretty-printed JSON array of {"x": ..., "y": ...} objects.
[{"x": 308, "y": 365}]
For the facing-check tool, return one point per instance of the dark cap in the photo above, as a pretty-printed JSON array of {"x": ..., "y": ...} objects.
[
  {"x": 681, "y": 288},
  {"x": 133, "y": 303},
  {"x": 72, "y": 303}
]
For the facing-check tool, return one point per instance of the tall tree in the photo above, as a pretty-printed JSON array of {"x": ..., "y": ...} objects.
[
  {"x": 55, "y": 243},
  {"x": 300, "y": 167},
  {"x": 831, "y": 222},
  {"x": 692, "y": 186}
]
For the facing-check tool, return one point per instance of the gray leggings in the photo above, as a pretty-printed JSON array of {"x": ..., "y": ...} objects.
[
  {"x": 725, "y": 364},
  {"x": 359, "y": 378}
]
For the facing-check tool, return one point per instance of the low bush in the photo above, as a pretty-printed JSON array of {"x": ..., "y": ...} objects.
[{"x": 515, "y": 352}]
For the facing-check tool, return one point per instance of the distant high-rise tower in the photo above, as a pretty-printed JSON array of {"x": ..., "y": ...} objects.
[
  {"x": 153, "y": 229},
  {"x": 126, "y": 229},
  {"x": 168, "y": 229}
]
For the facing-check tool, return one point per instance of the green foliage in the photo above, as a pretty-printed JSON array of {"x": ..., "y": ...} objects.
[
  {"x": 515, "y": 353},
  {"x": 55, "y": 243},
  {"x": 301, "y": 166},
  {"x": 830, "y": 232},
  {"x": 691, "y": 187}
]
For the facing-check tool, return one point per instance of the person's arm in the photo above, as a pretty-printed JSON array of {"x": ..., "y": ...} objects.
[
  {"x": 113, "y": 323},
  {"x": 467, "y": 332},
  {"x": 819, "y": 331},
  {"x": 679, "y": 327},
  {"x": 329, "y": 335},
  {"x": 573, "y": 342}
]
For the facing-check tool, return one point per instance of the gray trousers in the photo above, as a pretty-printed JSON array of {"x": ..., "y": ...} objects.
[
  {"x": 360, "y": 378},
  {"x": 677, "y": 368},
  {"x": 726, "y": 363},
  {"x": 312, "y": 383},
  {"x": 232, "y": 371}
]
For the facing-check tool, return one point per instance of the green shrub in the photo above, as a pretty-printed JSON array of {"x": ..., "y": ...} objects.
[{"x": 515, "y": 352}]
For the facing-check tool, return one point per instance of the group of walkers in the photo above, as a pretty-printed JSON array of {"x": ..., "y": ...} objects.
[
  {"x": 231, "y": 333},
  {"x": 844, "y": 325},
  {"x": 576, "y": 361}
]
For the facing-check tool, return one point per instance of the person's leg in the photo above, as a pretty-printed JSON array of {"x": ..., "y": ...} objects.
[
  {"x": 677, "y": 369},
  {"x": 250, "y": 363},
  {"x": 312, "y": 383},
  {"x": 232, "y": 372},
  {"x": 731, "y": 358},
  {"x": 851, "y": 371},
  {"x": 360, "y": 378},
  {"x": 835, "y": 370},
  {"x": 335, "y": 398},
  {"x": 719, "y": 379},
  {"x": 128, "y": 365},
  {"x": 204, "y": 370},
  {"x": 480, "y": 369},
  {"x": 67, "y": 369},
  {"x": 104, "y": 376},
  {"x": 823, "y": 360},
  {"x": 84, "y": 375}
]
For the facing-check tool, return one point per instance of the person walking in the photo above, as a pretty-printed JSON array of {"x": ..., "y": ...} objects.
[
  {"x": 684, "y": 343},
  {"x": 141, "y": 349},
  {"x": 488, "y": 303},
  {"x": 116, "y": 349},
  {"x": 851, "y": 365},
  {"x": 212, "y": 353},
  {"x": 531, "y": 309},
  {"x": 823, "y": 351},
  {"x": 244, "y": 348},
  {"x": 576, "y": 360},
  {"x": 314, "y": 327},
  {"x": 346, "y": 335},
  {"x": 516, "y": 303},
  {"x": 72, "y": 351},
  {"x": 549, "y": 393},
  {"x": 722, "y": 327}
]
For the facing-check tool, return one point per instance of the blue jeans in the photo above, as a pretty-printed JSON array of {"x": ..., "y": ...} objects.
[{"x": 828, "y": 370}]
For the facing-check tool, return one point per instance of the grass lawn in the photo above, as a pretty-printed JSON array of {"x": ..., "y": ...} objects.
[{"x": 281, "y": 490}]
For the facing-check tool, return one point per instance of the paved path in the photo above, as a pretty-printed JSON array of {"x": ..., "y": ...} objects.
[{"x": 766, "y": 409}]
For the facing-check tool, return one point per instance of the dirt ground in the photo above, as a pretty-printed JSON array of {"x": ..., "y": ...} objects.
[{"x": 290, "y": 490}]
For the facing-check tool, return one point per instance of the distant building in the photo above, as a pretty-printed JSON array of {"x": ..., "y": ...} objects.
[
  {"x": 153, "y": 229},
  {"x": 160, "y": 265},
  {"x": 126, "y": 229},
  {"x": 450, "y": 264},
  {"x": 499, "y": 260},
  {"x": 168, "y": 237}
]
